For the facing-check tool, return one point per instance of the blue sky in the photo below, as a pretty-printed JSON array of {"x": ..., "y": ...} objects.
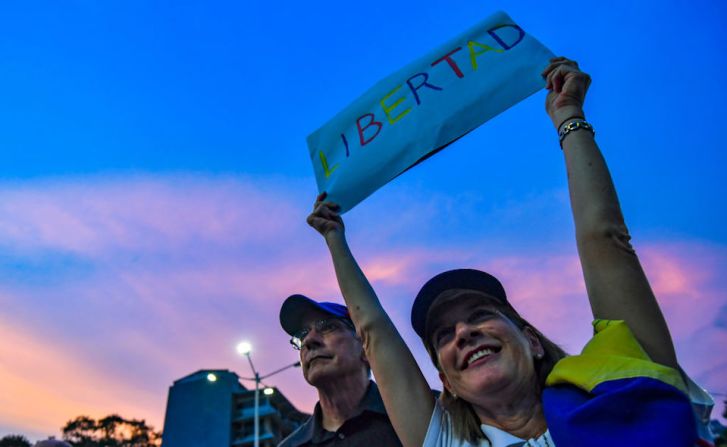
[
  {"x": 225, "y": 88},
  {"x": 155, "y": 169}
]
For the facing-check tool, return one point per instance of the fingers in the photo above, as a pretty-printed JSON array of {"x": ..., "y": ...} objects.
[
  {"x": 326, "y": 210},
  {"x": 318, "y": 222},
  {"x": 559, "y": 71},
  {"x": 577, "y": 85},
  {"x": 568, "y": 80},
  {"x": 326, "y": 207},
  {"x": 556, "y": 62},
  {"x": 320, "y": 198},
  {"x": 556, "y": 71},
  {"x": 557, "y": 79},
  {"x": 325, "y": 219}
]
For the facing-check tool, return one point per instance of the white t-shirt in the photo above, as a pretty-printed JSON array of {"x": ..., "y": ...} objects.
[{"x": 440, "y": 434}]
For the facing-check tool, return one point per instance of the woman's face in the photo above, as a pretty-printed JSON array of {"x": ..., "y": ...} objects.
[{"x": 480, "y": 350}]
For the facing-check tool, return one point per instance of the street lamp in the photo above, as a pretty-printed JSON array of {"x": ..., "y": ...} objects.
[{"x": 245, "y": 349}]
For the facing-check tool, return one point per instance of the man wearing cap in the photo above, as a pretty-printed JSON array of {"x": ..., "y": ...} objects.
[{"x": 349, "y": 411}]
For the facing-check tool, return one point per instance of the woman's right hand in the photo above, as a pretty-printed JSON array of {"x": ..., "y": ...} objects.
[{"x": 325, "y": 218}]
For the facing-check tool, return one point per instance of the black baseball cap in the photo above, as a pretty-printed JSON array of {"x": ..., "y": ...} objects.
[
  {"x": 297, "y": 307},
  {"x": 453, "y": 279}
]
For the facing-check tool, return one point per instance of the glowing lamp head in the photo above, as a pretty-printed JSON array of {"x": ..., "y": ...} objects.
[
  {"x": 244, "y": 348},
  {"x": 269, "y": 391},
  {"x": 211, "y": 377}
]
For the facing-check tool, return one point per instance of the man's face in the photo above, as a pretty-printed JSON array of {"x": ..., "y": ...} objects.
[{"x": 332, "y": 353}]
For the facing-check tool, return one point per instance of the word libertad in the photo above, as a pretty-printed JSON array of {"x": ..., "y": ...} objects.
[{"x": 369, "y": 126}]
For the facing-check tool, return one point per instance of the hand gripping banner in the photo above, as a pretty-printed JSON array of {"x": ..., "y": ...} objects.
[{"x": 420, "y": 109}]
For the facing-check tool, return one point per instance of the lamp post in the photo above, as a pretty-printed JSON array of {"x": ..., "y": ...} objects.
[{"x": 245, "y": 349}]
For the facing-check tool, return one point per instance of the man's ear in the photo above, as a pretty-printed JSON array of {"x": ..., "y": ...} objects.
[{"x": 536, "y": 347}]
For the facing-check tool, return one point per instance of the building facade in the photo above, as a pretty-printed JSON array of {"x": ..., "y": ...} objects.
[{"x": 211, "y": 408}]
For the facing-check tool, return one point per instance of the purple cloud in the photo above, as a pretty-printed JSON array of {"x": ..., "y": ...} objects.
[{"x": 122, "y": 285}]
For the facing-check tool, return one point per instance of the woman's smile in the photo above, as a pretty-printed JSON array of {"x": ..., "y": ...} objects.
[{"x": 480, "y": 355}]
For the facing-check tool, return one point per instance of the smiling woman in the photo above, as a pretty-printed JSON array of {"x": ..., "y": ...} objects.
[
  {"x": 505, "y": 383},
  {"x": 501, "y": 339}
]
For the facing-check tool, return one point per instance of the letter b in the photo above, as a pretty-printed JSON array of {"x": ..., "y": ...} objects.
[{"x": 361, "y": 130}]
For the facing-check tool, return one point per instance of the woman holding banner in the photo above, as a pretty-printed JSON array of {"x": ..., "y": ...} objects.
[{"x": 505, "y": 383}]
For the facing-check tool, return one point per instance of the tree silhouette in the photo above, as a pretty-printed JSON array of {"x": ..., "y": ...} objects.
[
  {"x": 111, "y": 431},
  {"x": 80, "y": 432},
  {"x": 14, "y": 441}
]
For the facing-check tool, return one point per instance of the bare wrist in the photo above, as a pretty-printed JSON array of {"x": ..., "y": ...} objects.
[{"x": 335, "y": 237}]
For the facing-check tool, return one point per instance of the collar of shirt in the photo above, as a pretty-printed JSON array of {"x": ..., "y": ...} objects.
[
  {"x": 312, "y": 428},
  {"x": 500, "y": 438},
  {"x": 370, "y": 402}
]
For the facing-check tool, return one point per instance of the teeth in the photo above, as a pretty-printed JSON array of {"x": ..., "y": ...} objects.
[{"x": 478, "y": 355}]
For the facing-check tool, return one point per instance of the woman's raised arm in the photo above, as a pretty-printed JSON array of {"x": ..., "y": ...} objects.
[
  {"x": 617, "y": 286},
  {"x": 408, "y": 400}
]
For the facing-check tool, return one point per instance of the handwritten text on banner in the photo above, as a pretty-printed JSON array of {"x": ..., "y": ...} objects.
[{"x": 425, "y": 106}]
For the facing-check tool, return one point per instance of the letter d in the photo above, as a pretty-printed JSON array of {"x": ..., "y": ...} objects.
[{"x": 500, "y": 39}]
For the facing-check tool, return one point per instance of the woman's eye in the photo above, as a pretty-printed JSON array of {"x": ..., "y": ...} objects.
[
  {"x": 442, "y": 337},
  {"x": 479, "y": 315}
]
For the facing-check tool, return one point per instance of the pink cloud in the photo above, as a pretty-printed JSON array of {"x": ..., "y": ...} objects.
[
  {"x": 46, "y": 383},
  {"x": 175, "y": 271},
  {"x": 91, "y": 216},
  {"x": 687, "y": 279}
]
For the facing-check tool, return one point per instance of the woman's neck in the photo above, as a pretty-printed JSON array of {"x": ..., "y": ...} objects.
[{"x": 520, "y": 413}]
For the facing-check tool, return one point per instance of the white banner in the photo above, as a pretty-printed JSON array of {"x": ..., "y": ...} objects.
[{"x": 423, "y": 107}]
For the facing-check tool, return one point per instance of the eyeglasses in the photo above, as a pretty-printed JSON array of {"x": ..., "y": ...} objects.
[{"x": 323, "y": 326}]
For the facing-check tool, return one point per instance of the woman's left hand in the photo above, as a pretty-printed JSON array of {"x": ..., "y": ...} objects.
[{"x": 567, "y": 86}]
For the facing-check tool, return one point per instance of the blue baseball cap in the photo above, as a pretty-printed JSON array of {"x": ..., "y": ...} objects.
[
  {"x": 453, "y": 279},
  {"x": 297, "y": 307}
]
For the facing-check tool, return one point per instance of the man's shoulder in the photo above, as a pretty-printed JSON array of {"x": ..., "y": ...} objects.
[{"x": 300, "y": 435}]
